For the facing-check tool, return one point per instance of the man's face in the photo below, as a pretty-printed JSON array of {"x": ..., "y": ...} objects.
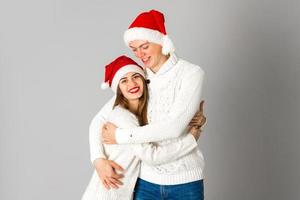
[{"x": 149, "y": 53}]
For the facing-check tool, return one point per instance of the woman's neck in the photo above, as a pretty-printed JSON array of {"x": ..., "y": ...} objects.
[{"x": 133, "y": 105}]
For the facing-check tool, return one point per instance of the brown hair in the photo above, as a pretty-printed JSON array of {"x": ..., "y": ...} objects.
[{"x": 141, "y": 112}]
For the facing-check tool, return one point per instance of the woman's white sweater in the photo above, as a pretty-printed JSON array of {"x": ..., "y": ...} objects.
[
  {"x": 175, "y": 94},
  {"x": 129, "y": 156}
]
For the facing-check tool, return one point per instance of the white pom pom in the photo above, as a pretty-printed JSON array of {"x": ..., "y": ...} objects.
[
  {"x": 104, "y": 85},
  {"x": 168, "y": 46}
]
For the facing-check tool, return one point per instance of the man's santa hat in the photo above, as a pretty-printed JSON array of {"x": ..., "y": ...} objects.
[
  {"x": 150, "y": 26},
  {"x": 117, "y": 70}
]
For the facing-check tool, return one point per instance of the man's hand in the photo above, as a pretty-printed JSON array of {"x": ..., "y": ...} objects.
[
  {"x": 106, "y": 170},
  {"x": 109, "y": 133}
]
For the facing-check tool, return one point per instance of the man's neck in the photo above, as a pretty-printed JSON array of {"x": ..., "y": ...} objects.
[{"x": 161, "y": 62}]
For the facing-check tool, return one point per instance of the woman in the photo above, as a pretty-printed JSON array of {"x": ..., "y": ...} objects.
[{"x": 127, "y": 79}]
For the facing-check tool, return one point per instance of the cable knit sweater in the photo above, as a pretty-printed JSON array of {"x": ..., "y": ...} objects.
[
  {"x": 175, "y": 94},
  {"x": 129, "y": 156}
]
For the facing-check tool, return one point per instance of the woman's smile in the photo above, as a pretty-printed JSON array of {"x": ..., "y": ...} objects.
[{"x": 134, "y": 90}]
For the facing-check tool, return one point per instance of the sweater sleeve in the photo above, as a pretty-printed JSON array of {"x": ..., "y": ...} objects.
[
  {"x": 159, "y": 154},
  {"x": 150, "y": 153},
  {"x": 96, "y": 147},
  {"x": 182, "y": 111}
]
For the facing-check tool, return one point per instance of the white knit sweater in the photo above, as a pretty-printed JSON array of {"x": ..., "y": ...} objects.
[
  {"x": 129, "y": 156},
  {"x": 175, "y": 94}
]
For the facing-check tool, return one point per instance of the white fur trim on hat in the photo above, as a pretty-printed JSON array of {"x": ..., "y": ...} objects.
[
  {"x": 124, "y": 70},
  {"x": 143, "y": 34},
  {"x": 168, "y": 46},
  {"x": 104, "y": 85},
  {"x": 151, "y": 36}
]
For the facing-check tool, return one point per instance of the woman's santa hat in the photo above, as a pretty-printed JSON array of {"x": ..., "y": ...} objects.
[
  {"x": 150, "y": 26},
  {"x": 117, "y": 70}
]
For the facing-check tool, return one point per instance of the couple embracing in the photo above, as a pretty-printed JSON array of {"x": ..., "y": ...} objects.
[{"x": 143, "y": 142}]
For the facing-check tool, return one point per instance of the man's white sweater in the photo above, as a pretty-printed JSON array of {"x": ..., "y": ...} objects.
[{"x": 175, "y": 94}]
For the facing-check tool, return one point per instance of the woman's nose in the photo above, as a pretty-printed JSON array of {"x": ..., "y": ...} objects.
[{"x": 131, "y": 83}]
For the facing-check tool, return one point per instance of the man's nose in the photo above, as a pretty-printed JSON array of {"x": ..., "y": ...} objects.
[{"x": 140, "y": 53}]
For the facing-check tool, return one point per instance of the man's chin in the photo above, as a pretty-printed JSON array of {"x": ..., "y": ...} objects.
[{"x": 147, "y": 64}]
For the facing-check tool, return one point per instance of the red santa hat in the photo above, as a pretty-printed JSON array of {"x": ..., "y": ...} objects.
[
  {"x": 117, "y": 69},
  {"x": 150, "y": 26}
]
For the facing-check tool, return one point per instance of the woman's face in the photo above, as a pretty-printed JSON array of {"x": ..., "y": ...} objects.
[
  {"x": 131, "y": 86},
  {"x": 149, "y": 53}
]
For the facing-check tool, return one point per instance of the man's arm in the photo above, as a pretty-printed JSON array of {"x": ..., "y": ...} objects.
[
  {"x": 159, "y": 154},
  {"x": 182, "y": 111}
]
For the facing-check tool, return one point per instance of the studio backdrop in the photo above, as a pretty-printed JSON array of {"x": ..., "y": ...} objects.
[{"x": 52, "y": 56}]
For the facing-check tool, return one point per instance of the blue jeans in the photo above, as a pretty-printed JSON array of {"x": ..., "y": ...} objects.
[{"x": 188, "y": 191}]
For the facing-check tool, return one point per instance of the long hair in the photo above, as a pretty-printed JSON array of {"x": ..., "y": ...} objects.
[{"x": 141, "y": 112}]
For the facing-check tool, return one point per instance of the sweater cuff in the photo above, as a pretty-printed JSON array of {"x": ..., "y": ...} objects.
[
  {"x": 123, "y": 136},
  {"x": 190, "y": 139},
  {"x": 99, "y": 155}
]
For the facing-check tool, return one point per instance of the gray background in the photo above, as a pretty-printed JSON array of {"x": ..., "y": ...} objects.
[{"x": 52, "y": 55}]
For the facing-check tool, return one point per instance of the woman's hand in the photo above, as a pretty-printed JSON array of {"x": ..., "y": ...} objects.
[
  {"x": 197, "y": 122},
  {"x": 199, "y": 119},
  {"x": 195, "y": 132},
  {"x": 109, "y": 133},
  {"x": 106, "y": 170}
]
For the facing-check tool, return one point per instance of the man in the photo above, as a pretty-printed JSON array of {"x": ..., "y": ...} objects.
[{"x": 175, "y": 91}]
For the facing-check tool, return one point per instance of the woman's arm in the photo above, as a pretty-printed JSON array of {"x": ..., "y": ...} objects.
[
  {"x": 106, "y": 169},
  {"x": 182, "y": 111},
  {"x": 96, "y": 146}
]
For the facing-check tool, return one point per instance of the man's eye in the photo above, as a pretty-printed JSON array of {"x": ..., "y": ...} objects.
[{"x": 145, "y": 47}]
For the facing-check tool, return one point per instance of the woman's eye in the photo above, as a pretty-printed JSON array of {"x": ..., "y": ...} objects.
[
  {"x": 145, "y": 47},
  {"x": 123, "y": 81},
  {"x": 137, "y": 76}
]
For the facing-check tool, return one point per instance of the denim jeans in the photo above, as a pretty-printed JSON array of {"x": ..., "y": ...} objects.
[{"x": 188, "y": 191}]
